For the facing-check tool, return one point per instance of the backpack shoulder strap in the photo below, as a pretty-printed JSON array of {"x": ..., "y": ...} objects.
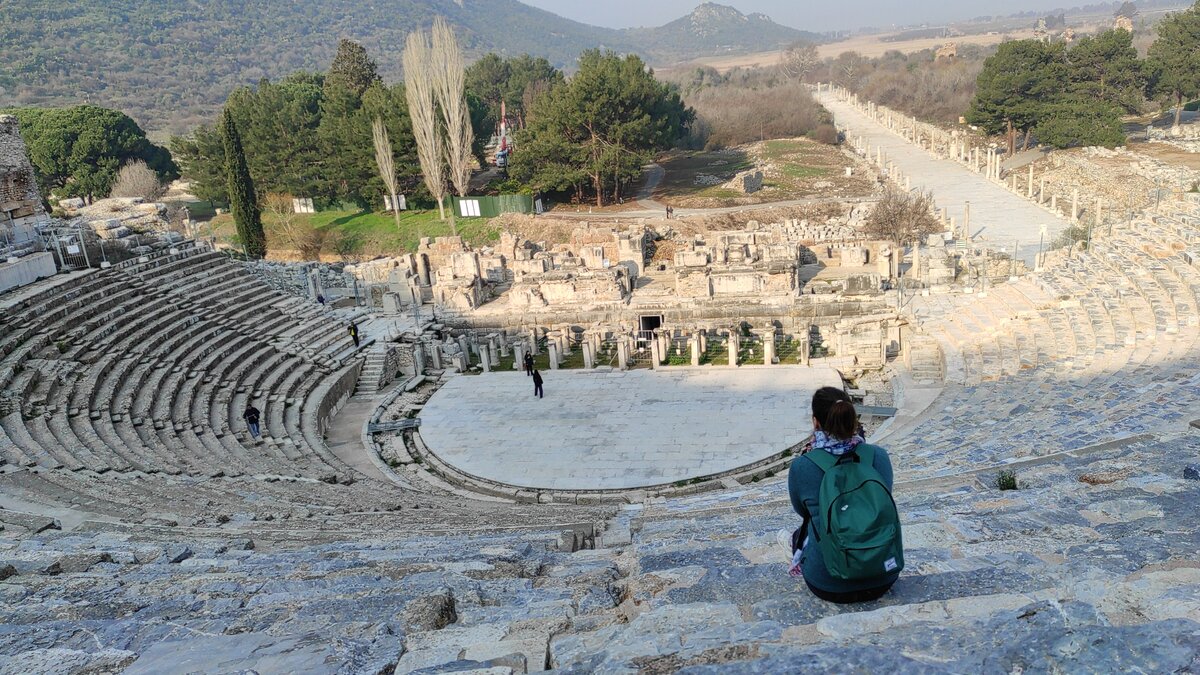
[
  {"x": 866, "y": 454},
  {"x": 822, "y": 459},
  {"x": 826, "y": 461}
]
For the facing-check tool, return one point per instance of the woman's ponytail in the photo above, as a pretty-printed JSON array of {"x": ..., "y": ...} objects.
[
  {"x": 842, "y": 421},
  {"x": 835, "y": 413}
]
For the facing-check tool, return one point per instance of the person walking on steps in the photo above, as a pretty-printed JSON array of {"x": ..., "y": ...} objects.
[
  {"x": 354, "y": 334},
  {"x": 528, "y": 363},
  {"x": 252, "y": 416},
  {"x": 849, "y": 546},
  {"x": 537, "y": 384}
]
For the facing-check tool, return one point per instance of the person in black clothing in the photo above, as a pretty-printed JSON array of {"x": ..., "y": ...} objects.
[
  {"x": 537, "y": 384},
  {"x": 354, "y": 334},
  {"x": 252, "y": 416},
  {"x": 528, "y": 362}
]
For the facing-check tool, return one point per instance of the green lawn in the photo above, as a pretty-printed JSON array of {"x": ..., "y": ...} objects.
[{"x": 377, "y": 232}]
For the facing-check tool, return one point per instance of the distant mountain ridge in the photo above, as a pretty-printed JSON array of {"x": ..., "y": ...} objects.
[
  {"x": 726, "y": 27},
  {"x": 170, "y": 63}
]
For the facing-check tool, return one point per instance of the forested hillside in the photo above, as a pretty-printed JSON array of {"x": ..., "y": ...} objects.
[{"x": 170, "y": 64}]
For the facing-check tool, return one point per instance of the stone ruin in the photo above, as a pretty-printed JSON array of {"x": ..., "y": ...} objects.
[{"x": 22, "y": 259}]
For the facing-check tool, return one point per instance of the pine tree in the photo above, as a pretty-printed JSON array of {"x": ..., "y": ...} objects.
[
  {"x": 1174, "y": 59},
  {"x": 352, "y": 69},
  {"x": 243, "y": 202}
]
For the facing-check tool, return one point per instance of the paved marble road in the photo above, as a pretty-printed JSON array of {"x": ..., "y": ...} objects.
[
  {"x": 612, "y": 430},
  {"x": 997, "y": 215}
]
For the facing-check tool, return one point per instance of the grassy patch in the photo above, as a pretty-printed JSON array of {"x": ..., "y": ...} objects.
[
  {"x": 377, "y": 232},
  {"x": 793, "y": 167},
  {"x": 801, "y": 172}
]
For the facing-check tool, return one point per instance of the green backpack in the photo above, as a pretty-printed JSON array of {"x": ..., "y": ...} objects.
[{"x": 861, "y": 534}]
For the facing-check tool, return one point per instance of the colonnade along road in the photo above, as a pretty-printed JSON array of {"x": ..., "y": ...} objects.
[{"x": 997, "y": 215}]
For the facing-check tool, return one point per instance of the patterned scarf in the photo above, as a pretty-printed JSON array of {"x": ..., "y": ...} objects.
[{"x": 834, "y": 446}]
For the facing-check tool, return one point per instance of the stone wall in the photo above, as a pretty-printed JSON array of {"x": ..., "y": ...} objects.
[{"x": 20, "y": 203}]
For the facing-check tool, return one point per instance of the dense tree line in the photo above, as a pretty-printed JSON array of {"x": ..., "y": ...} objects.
[
  {"x": 591, "y": 134},
  {"x": 1065, "y": 95},
  {"x": 516, "y": 82},
  {"x": 308, "y": 135},
  {"x": 1062, "y": 95},
  {"x": 79, "y": 151}
]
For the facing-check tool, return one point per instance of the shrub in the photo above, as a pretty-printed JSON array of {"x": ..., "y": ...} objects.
[
  {"x": 825, "y": 133},
  {"x": 744, "y": 106},
  {"x": 1006, "y": 480},
  {"x": 137, "y": 179}
]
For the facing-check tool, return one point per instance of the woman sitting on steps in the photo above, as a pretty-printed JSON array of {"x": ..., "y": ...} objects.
[{"x": 849, "y": 547}]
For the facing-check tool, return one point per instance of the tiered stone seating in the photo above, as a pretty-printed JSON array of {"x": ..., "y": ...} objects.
[
  {"x": 1094, "y": 348},
  {"x": 124, "y": 391},
  {"x": 1089, "y": 566},
  {"x": 190, "y": 544}
]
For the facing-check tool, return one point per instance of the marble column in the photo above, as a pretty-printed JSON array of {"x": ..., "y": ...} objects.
[
  {"x": 553, "y": 348},
  {"x": 733, "y": 347},
  {"x": 694, "y": 348},
  {"x": 589, "y": 361},
  {"x": 769, "y": 347},
  {"x": 623, "y": 353},
  {"x": 419, "y": 359},
  {"x": 519, "y": 356},
  {"x": 485, "y": 360}
]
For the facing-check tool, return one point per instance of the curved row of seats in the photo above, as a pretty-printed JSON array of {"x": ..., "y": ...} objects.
[
  {"x": 130, "y": 351},
  {"x": 122, "y": 392},
  {"x": 1099, "y": 345}
]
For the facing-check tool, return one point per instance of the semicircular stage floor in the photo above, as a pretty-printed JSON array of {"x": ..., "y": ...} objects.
[{"x": 603, "y": 430}]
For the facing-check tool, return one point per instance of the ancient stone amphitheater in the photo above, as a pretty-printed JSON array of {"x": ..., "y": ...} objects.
[{"x": 144, "y": 532}]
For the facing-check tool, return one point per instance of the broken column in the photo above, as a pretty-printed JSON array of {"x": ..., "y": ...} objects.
[
  {"x": 769, "y": 346},
  {"x": 589, "y": 360},
  {"x": 552, "y": 348},
  {"x": 733, "y": 347},
  {"x": 694, "y": 347}
]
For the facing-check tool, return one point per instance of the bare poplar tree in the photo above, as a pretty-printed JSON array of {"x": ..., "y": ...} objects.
[
  {"x": 422, "y": 109},
  {"x": 449, "y": 85},
  {"x": 387, "y": 165}
]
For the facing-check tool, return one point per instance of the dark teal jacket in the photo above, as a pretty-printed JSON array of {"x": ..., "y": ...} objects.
[{"x": 804, "y": 487}]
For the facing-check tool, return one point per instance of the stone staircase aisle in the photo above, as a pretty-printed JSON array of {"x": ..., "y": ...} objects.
[{"x": 372, "y": 371}]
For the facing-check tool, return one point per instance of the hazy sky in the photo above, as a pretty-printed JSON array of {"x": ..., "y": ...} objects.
[{"x": 804, "y": 14}]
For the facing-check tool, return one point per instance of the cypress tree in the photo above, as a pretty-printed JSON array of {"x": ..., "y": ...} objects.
[{"x": 243, "y": 202}]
